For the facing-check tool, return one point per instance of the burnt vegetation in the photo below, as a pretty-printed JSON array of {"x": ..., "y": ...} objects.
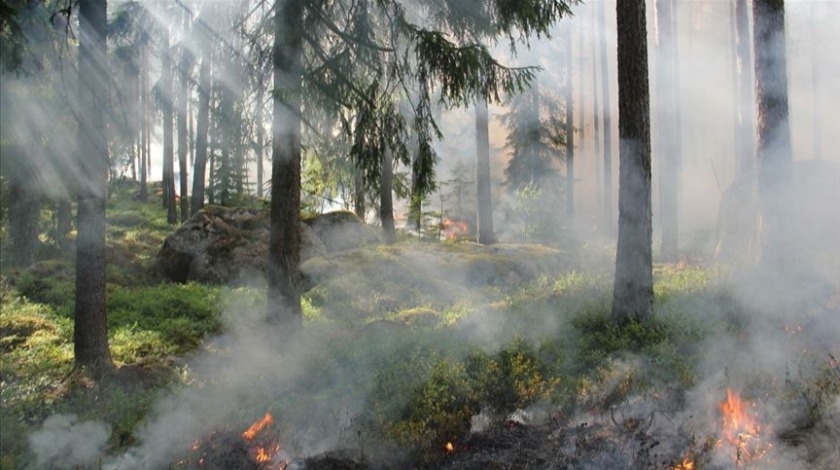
[{"x": 473, "y": 312}]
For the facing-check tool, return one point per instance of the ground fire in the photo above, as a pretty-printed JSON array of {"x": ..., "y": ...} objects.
[
  {"x": 454, "y": 229},
  {"x": 741, "y": 433},
  {"x": 258, "y": 448}
]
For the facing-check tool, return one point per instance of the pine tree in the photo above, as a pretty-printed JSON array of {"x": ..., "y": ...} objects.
[{"x": 633, "y": 286}]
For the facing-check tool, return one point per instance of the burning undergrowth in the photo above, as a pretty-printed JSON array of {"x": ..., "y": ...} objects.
[{"x": 541, "y": 378}]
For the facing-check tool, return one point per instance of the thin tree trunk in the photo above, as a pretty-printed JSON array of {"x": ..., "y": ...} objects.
[
  {"x": 596, "y": 117},
  {"x": 64, "y": 214},
  {"x": 359, "y": 193},
  {"x": 284, "y": 278},
  {"x": 745, "y": 132},
  {"x": 202, "y": 126},
  {"x": 570, "y": 132},
  {"x": 144, "y": 122},
  {"x": 386, "y": 198},
  {"x": 607, "y": 219},
  {"x": 168, "y": 143},
  {"x": 134, "y": 92},
  {"x": 669, "y": 134},
  {"x": 482, "y": 178},
  {"x": 774, "y": 148},
  {"x": 183, "y": 151},
  {"x": 90, "y": 330},
  {"x": 633, "y": 287},
  {"x": 260, "y": 144},
  {"x": 24, "y": 213},
  {"x": 415, "y": 202}
]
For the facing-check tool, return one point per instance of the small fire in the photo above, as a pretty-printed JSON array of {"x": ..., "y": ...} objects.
[
  {"x": 449, "y": 447},
  {"x": 454, "y": 229},
  {"x": 255, "y": 428},
  {"x": 741, "y": 429},
  {"x": 686, "y": 464},
  {"x": 266, "y": 450}
]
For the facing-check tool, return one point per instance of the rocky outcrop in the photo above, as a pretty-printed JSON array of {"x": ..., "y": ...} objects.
[{"x": 224, "y": 244}]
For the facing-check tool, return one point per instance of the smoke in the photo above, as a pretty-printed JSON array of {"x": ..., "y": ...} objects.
[{"x": 64, "y": 442}]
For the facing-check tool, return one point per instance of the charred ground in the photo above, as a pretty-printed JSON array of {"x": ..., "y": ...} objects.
[{"x": 418, "y": 355}]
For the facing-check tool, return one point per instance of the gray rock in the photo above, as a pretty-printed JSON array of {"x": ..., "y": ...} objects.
[
  {"x": 220, "y": 245},
  {"x": 223, "y": 244}
]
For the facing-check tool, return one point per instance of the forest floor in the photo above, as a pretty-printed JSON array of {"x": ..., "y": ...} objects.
[{"x": 428, "y": 370}]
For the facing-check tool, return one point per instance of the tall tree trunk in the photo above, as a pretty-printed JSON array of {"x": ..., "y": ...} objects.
[
  {"x": 259, "y": 147},
  {"x": 64, "y": 224},
  {"x": 90, "y": 330},
  {"x": 597, "y": 134},
  {"x": 607, "y": 215},
  {"x": 183, "y": 151},
  {"x": 745, "y": 129},
  {"x": 633, "y": 287},
  {"x": 144, "y": 121},
  {"x": 386, "y": 198},
  {"x": 168, "y": 144},
  {"x": 24, "y": 214},
  {"x": 134, "y": 87},
  {"x": 284, "y": 279},
  {"x": 202, "y": 125},
  {"x": 669, "y": 133},
  {"x": 774, "y": 148},
  {"x": 570, "y": 132},
  {"x": 359, "y": 192},
  {"x": 415, "y": 202},
  {"x": 482, "y": 177}
]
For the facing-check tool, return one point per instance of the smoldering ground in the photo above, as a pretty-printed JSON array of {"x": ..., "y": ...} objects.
[{"x": 782, "y": 359}]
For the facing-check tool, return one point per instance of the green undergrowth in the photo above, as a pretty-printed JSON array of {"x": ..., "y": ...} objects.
[{"x": 413, "y": 341}]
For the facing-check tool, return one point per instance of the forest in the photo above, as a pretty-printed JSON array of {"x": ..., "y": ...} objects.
[{"x": 446, "y": 234}]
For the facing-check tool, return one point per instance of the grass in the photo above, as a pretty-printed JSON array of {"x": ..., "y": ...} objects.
[{"x": 415, "y": 352}]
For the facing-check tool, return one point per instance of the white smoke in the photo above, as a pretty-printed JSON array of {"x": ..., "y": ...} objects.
[{"x": 64, "y": 442}]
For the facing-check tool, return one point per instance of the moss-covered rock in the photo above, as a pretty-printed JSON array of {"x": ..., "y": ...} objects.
[{"x": 221, "y": 244}]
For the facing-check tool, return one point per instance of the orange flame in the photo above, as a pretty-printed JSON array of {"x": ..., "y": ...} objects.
[
  {"x": 686, "y": 464},
  {"x": 454, "y": 229},
  {"x": 255, "y": 428},
  {"x": 741, "y": 429},
  {"x": 449, "y": 447}
]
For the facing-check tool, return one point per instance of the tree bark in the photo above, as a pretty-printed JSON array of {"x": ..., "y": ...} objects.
[
  {"x": 607, "y": 212},
  {"x": 183, "y": 97},
  {"x": 386, "y": 198},
  {"x": 482, "y": 177},
  {"x": 259, "y": 147},
  {"x": 597, "y": 134},
  {"x": 284, "y": 279},
  {"x": 359, "y": 192},
  {"x": 144, "y": 122},
  {"x": 745, "y": 127},
  {"x": 202, "y": 125},
  {"x": 633, "y": 287},
  {"x": 570, "y": 132},
  {"x": 90, "y": 331},
  {"x": 64, "y": 216},
  {"x": 774, "y": 147},
  {"x": 168, "y": 143},
  {"x": 24, "y": 213}
]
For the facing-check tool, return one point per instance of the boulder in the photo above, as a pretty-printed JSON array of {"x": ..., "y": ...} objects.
[
  {"x": 223, "y": 244},
  {"x": 342, "y": 230}
]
